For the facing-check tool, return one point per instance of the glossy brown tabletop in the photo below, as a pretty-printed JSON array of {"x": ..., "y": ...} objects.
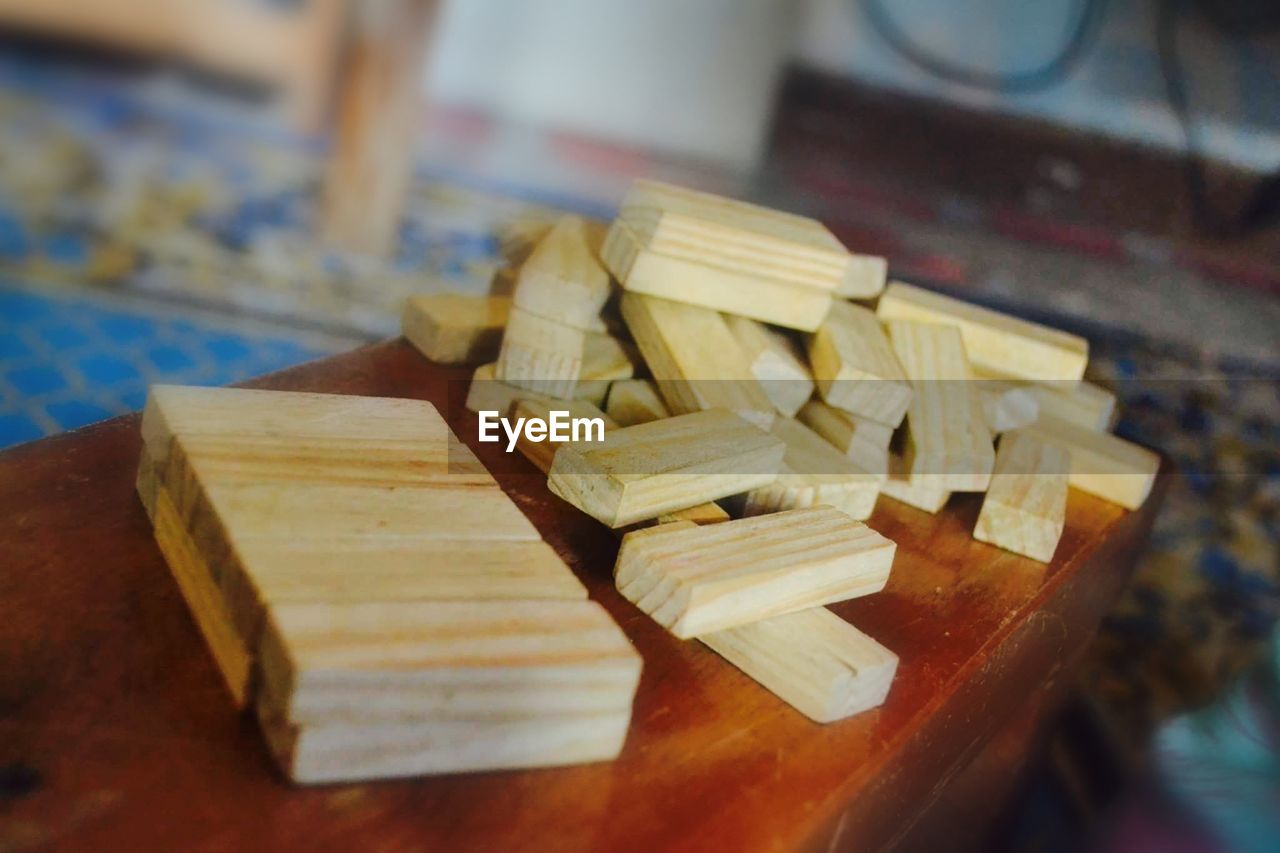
[{"x": 116, "y": 732}]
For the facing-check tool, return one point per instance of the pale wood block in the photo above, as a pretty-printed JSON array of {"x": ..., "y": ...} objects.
[
  {"x": 1084, "y": 404},
  {"x": 695, "y": 580},
  {"x": 645, "y": 471},
  {"x": 540, "y": 453},
  {"x": 923, "y": 491},
  {"x": 997, "y": 344},
  {"x": 813, "y": 660},
  {"x": 540, "y": 355},
  {"x": 518, "y": 237},
  {"x": 1007, "y": 406},
  {"x": 488, "y": 394},
  {"x": 855, "y": 367},
  {"x": 814, "y": 473},
  {"x": 1102, "y": 464},
  {"x": 635, "y": 401},
  {"x": 865, "y": 278},
  {"x": 455, "y": 328},
  {"x": 561, "y": 280},
  {"x": 343, "y": 752},
  {"x": 862, "y": 440},
  {"x": 1026, "y": 505},
  {"x": 775, "y": 361},
  {"x": 481, "y": 660},
  {"x": 763, "y": 299},
  {"x": 947, "y": 435},
  {"x": 695, "y": 359},
  {"x": 605, "y": 360}
]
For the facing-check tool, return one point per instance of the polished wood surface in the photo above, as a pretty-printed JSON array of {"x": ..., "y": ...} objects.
[{"x": 115, "y": 727}]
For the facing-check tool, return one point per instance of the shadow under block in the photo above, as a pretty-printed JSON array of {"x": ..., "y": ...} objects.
[
  {"x": 813, "y": 660},
  {"x": 774, "y": 360},
  {"x": 635, "y": 401},
  {"x": 814, "y": 473},
  {"x": 997, "y": 344},
  {"x": 725, "y": 255},
  {"x": 1102, "y": 464},
  {"x": 855, "y": 367},
  {"x": 455, "y": 328},
  {"x": 695, "y": 359},
  {"x": 1025, "y": 507},
  {"x": 540, "y": 355},
  {"x": 695, "y": 580},
  {"x": 862, "y": 440},
  {"x": 561, "y": 280},
  {"x": 645, "y": 471},
  {"x": 947, "y": 434}
]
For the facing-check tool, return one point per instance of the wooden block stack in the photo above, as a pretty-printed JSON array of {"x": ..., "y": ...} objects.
[{"x": 367, "y": 587}]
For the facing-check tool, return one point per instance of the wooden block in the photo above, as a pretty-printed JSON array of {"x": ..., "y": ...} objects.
[
  {"x": 814, "y": 473},
  {"x": 695, "y": 580},
  {"x": 923, "y": 491},
  {"x": 862, "y": 440},
  {"x": 708, "y": 513},
  {"x": 855, "y": 367},
  {"x": 813, "y": 660},
  {"x": 540, "y": 355},
  {"x": 998, "y": 344},
  {"x": 478, "y": 661},
  {"x": 774, "y": 360},
  {"x": 644, "y": 471},
  {"x": 540, "y": 453},
  {"x": 635, "y": 401},
  {"x": 695, "y": 359},
  {"x": 1006, "y": 405},
  {"x": 488, "y": 394},
  {"x": 1102, "y": 464},
  {"x": 1086, "y": 405},
  {"x": 518, "y": 237},
  {"x": 562, "y": 280},
  {"x": 454, "y": 328},
  {"x": 1025, "y": 508},
  {"x": 865, "y": 278},
  {"x": 605, "y": 360},
  {"x": 947, "y": 434}
]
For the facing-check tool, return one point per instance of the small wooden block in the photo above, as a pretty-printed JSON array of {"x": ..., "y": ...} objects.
[
  {"x": 454, "y": 328},
  {"x": 814, "y": 473},
  {"x": 855, "y": 367},
  {"x": 947, "y": 434},
  {"x": 774, "y": 360},
  {"x": 997, "y": 344},
  {"x": 697, "y": 580},
  {"x": 695, "y": 359},
  {"x": 562, "y": 280},
  {"x": 1085, "y": 405},
  {"x": 864, "y": 441},
  {"x": 635, "y": 401},
  {"x": 645, "y": 471},
  {"x": 540, "y": 453},
  {"x": 540, "y": 355},
  {"x": 922, "y": 491},
  {"x": 488, "y": 394},
  {"x": 813, "y": 660},
  {"x": 1102, "y": 464},
  {"x": 865, "y": 278},
  {"x": 1006, "y": 405},
  {"x": 605, "y": 360},
  {"x": 1026, "y": 505}
]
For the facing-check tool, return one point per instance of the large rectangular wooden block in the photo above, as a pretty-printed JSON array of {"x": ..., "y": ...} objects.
[
  {"x": 644, "y": 471},
  {"x": 1026, "y": 506},
  {"x": 562, "y": 280},
  {"x": 540, "y": 355},
  {"x": 1102, "y": 464},
  {"x": 455, "y": 328},
  {"x": 855, "y": 367},
  {"x": 813, "y": 660},
  {"x": 697, "y": 580},
  {"x": 814, "y": 473},
  {"x": 775, "y": 361},
  {"x": 997, "y": 344},
  {"x": 695, "y": 359}
]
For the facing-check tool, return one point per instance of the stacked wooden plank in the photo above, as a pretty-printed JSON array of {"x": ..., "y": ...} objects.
[{"x": 365, "y": 585}]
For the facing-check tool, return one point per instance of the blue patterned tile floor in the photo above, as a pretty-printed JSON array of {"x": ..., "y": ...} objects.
[{"x": 69, "y": 358}]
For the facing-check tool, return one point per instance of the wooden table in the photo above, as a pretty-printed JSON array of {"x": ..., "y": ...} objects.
[{"x": 115, "y": 727}]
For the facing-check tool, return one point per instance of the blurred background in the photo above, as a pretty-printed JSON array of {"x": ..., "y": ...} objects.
[{"x": 201, "y": 191}]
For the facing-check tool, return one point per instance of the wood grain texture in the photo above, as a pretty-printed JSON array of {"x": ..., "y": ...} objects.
[
  {"x": 997, "y": 344},
  {"x": 814, "y": 473},
  {"x": 1102, "y": 464},
  {"x": 694, "y": 358},
  {"x": 774, "y": 360},
  {"x": 864, "y": 441},
  {"x": 561, "y": 280},
  {"x": 455, "y": 328},
  {"x": 1025, "y": 508},
  {"x": 697, "y": 579},
  {"x": 605, "y": 360},
  {"x": 644, "y": 471},
  {"x": 635, "y": 401},
  {"x": 116, "y": 691},
  {"x": 540, "y": 355},
  {"x": 855, "y": 367},
  {"x": 813, "y": 660}
]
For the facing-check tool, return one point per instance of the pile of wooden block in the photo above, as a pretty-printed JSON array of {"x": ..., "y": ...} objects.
[
  {"x": 763, "y": 388},
  {"x": 367, "y": 587}
]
